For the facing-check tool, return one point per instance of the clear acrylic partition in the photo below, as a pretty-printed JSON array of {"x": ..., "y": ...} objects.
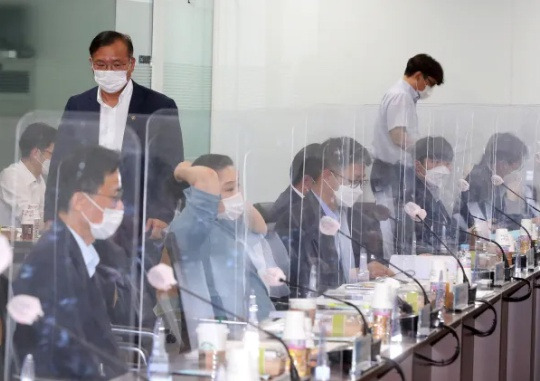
[{"x": 88, "y": 295}]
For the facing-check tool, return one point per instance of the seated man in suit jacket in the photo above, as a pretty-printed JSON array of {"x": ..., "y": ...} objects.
[
  {"x": 304, "y": 168},
  {"x": 73, "y": 340},
  {"x": 337, "y": 187},
  {"x": 104, "y": 114},
  {"x": 433, "y": 157}
]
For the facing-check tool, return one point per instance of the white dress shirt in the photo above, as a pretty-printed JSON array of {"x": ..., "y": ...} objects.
[
  {"x": 112, "y": 120},
  {"x": 397, "y": 109},
  {"x": 89, "y": 253},
  {"x": 18, "y": 189}
]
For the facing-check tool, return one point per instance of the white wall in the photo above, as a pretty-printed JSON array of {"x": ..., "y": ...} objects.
[
  {"x": 182, "y": 65},
  {"x": 292, "y": 57},
  {"x": 134, "y": 17}
]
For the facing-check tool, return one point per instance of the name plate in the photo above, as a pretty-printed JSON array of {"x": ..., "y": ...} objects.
[
  {"x": 498, "y": 274},
  {"x": 361, "y": 355},
  {"x": 461, "y": 296}
]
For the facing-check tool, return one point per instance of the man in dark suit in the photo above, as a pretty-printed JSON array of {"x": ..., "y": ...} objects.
[
  {"x": 337, "y": 187},
  {"x": 433, "y": 160},
  {"x": 73, "y": 340},
  {"x": 111, "y": 115},
  {"x": 304, "y": 168}
]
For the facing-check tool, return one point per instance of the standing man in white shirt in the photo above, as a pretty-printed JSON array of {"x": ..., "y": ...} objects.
[
  {"x": 396, "y": 130},
  {"x": 23, "y": 183}
]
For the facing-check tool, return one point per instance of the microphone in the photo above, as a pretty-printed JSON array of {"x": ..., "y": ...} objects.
[
  {"x": 26, "y": 310},
  {"x": 505, "y": 260},
  {"x": 329, "y": 226},
  {"x": 418, "y": 214},
  {"x": 498, "y": 181},
  {"x": 515, "y": 222},
  {"x": 518, "y": 256},
  {"x": 292, "y": 367},
  {"x": 365, "y": 326}
]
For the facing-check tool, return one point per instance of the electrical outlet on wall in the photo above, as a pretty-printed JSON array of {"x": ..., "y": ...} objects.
[{"x": 145, "y": 59}]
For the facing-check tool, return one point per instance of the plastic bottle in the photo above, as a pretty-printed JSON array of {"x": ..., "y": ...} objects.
[
  {"x": 443, "y": 249},
  {"x": 322, "y": 370},
  {"x": 28, "y": 369},
  {"x": 158, "y": 369},
  {"x": 312, "y": 282},
  {"x": 466, "y": 262},
  {"x": 251, "y": 337},
  {"x": 363, "y": 272}
]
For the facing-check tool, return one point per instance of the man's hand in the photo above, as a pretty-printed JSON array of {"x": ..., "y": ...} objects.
[
  {"x": 156, "y": 226},
  {"x": 377, "y": 269},
  {"x": 179, "y": 171}
]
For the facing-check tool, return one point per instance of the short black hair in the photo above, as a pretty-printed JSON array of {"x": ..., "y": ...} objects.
[
  {"x": 434, "y": 148},
  {"x": 504, "y": 146},
  {"x": 109, "y": 37},
  {"x": 214, "y": 161},
  {"x": 427, "y": 65},
  {"x": 337, "y": 153},
  {"x": 307, "y": 162},
  {"x": 84, "y": 171},
  {"x": 36, "y": 135}
]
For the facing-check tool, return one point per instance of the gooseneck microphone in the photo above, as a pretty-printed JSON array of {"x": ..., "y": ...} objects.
[
  {"x": 418, "y": 214},
  {"x": 498, "y": 181},
  {"x": 329, "y": 226},
  {"x": 505, "y": 260},
  {"x": 292, "y": 369},
  {"x": 517, "y": 223},
  {"x": 365, "y": 326}
]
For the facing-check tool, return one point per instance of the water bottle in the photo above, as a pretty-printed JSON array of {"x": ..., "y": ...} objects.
[
  {"x": 28, "y": 369},
  {"x": 251, "y": 338},
  {"x": 363, "y": 272},
  {"x": 158, "y": 369}
]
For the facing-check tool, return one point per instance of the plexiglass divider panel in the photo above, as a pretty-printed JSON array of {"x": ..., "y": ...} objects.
[{"x": 75, "y": 271}]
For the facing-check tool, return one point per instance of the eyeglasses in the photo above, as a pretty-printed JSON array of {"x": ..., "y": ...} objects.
[
  {"x": 430, "y": 81},
  {"x": 116, "y": 199},
  {"x": 351, "y": 183},
  {"x": 115, "y": 66}
]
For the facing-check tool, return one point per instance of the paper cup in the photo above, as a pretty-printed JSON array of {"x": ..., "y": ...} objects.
[
  {"x": 294, "y": 326},
  {"x": 527, "y": 224},
  {"x": 307, "y": 305},
  {"x": 382, "y": 297},
  {"x": 502, "y": 237},
  {"x": 212, "y": 336}
]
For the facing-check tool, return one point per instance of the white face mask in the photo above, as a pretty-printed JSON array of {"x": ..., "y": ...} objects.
[
  {"x": 513, "y": 177},
  {"x": 111, "y": 81},
  {"x": 426, "y": 93},
  {"x": 436, "y": 176},
  {"x": 45, "y": 167},
  {"x": 112, "y": 218},
  {"x": 234, "y": 207},
  {"x": 348, "y": 195}
]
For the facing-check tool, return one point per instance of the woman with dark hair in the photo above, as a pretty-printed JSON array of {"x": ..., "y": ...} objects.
[
  {"x": 504, "y": 156},
  {"x": 219, "y": 240}
]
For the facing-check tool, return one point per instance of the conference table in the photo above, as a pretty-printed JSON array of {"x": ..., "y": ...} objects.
[{"x": 511, "y": 352}]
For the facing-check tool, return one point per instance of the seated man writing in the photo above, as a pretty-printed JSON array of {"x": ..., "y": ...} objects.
[
  {"x": 337, "y": 187},
  {"x": 74, "y": 340}
]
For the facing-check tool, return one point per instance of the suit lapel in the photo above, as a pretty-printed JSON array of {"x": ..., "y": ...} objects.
[{"x": 93, "y": 105}]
